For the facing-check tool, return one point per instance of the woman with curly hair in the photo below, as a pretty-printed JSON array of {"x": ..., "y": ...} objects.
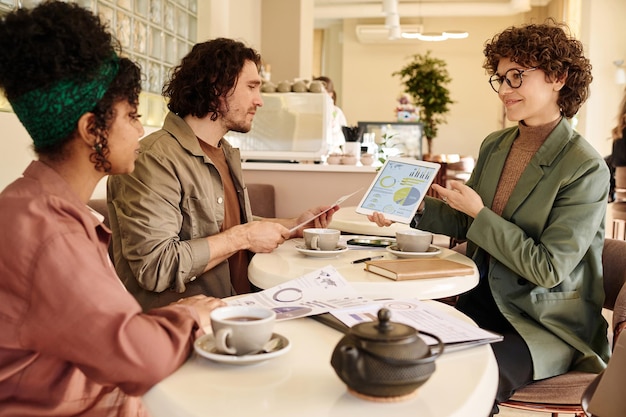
[
  {"x": 73, "y": 342},
  {"x": 533, "y": 214}
]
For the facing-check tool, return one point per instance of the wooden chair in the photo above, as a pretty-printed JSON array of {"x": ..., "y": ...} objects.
[
  {"x": 563, "y": 393},
  {"x": 262, "y": 200},
  {"x": 620, "y": 184},
  {"x": 618, "y": 207},
  {"x": 618, "y": 214}
]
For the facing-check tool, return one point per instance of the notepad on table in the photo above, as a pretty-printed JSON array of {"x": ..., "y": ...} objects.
[{"x": 408, "y": 269}]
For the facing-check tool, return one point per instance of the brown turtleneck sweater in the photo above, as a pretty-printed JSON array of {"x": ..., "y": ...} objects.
[{"x": 524, "y": 147}]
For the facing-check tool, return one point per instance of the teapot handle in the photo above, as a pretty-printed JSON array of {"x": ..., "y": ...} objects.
[{"x": 405, "y": 362}]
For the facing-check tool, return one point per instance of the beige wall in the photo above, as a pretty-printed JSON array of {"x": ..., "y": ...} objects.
[
  {"x": 604, "y": 35},
  {"x": 369, "y": 91},
  {"x": 238, "y": 19},
  {"x": 15, "y": 148}
]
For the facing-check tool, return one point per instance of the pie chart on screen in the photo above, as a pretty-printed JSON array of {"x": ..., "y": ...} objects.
[{"x": 406, "y": 196}]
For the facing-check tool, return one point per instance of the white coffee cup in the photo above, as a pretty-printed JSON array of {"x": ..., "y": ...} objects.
[
  {"x": 242, "y": 330},
  {"x": 413, "y": 240},
  {"x": 321, "y": 239}
]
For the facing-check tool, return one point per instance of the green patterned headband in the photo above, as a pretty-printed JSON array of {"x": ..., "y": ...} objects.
[{"x": 50, "y": 114}]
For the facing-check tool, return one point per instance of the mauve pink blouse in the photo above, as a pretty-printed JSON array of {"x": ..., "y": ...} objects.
[{"x": 73, "y": 342}]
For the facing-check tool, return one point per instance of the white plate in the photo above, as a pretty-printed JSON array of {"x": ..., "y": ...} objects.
[
  {"x": 205, "y": 346},
  {"x": 432, "y": 251},
  {"x": 321, "y": 253}
]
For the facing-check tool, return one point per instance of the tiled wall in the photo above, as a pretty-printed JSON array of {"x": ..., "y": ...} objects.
[{"x": 154, "y": 33}]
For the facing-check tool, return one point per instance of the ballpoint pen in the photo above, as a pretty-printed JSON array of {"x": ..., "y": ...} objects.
[{"x": 371, "y": 258}]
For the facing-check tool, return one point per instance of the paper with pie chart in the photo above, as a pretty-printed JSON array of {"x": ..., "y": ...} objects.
[
  {"x": 316, "y": 292},
  {"x": 399, "y": 188}
]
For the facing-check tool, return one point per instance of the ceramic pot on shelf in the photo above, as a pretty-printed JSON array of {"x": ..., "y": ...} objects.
[{"x": 367, "y": 159}]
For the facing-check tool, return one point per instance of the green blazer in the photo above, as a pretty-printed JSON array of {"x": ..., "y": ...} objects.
[{"x": 545, "y": 263}]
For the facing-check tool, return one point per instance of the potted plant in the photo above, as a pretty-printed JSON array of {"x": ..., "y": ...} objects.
[{"x": 425, "y": 79}]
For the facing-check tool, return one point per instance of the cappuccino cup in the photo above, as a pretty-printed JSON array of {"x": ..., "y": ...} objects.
[
  {"x": 413, "y": 240},
  {"x": 242, "y": 330},
  {"x": 321, "y": 239}
]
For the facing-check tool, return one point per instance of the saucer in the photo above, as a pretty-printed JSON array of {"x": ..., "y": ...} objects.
[
  {"x": 205, "y": 346},
  {"x": 432, "y": 251},
  {"x": 321, "y": 253}
]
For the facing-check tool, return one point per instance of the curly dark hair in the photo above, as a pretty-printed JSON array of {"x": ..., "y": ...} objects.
[
  {"x": 57, "y": 41},
  {"x": 208, "y": 72},
  {"x": 125, "y": 86},
  {"x": 551, "y": 48}
]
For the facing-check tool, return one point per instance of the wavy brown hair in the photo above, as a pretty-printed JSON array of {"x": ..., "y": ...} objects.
[
  {"x": 551, "y": 48},
  {"x": 208, "y": 72}
]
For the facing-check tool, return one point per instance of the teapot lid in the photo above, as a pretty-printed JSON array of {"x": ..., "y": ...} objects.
[{"x": 384, "y": 330}]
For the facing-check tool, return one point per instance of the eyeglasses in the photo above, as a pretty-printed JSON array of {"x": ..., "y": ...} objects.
[{"x": 513, "y": 78}]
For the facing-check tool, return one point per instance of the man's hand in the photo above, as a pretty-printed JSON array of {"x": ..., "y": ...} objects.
[
  {"x": 263, "y": 236},
  {"x": 316, "y": 222},
  {"x": 258, "y": 236}
]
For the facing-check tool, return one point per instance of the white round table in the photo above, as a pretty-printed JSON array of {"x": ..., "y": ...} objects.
[
  {"x": 303, "y": 383},
  {"x": 267, "y": 270}
]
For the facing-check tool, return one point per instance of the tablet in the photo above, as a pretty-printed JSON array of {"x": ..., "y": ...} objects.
[{"x": 399, "y": 188}]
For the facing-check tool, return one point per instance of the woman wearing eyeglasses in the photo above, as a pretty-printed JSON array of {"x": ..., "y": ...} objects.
[{"x": 533, "y": 213}]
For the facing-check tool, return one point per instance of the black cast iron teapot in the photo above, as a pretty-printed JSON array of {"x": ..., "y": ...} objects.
[{"x": 384, "y": 358}]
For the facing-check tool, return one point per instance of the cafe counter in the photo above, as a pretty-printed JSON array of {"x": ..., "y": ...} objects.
[{"x": 301, "y": 186}]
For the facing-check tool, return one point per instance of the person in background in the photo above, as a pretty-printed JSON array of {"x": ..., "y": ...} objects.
[
  {"x": 73, "y": 341},
  {"x": 533, "y": 212},
  {"x": 618, "y": 154},
  {"x": 338, "y": 120},
  {"x": 181, "y": 221}
]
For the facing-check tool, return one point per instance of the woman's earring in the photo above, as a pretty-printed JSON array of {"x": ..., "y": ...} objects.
[{"x": 97, "y": 147}]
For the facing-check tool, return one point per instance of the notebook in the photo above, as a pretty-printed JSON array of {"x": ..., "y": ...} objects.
[{"x": 407, "y": 269}]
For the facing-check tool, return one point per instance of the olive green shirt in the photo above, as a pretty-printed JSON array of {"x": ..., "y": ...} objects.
[{"x": 163, "y": 211}]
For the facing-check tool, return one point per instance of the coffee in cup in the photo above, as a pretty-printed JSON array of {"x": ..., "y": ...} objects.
[
  {"x": 321, "y": 239},
  {"x": 413, "y": 240},
  {"x": 242, "y": 330}
]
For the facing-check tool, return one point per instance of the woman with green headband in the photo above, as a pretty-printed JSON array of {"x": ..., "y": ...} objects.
[{"x": 73, "y": 342}]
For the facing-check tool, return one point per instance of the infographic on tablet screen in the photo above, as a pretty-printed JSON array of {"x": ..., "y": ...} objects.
[{"x": 399, "y": 188}]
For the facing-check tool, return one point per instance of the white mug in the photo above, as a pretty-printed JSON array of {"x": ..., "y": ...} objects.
[
  {"x": 242, "y": 330},
  {"x": 321, "y": 239},
  {"x": 413, "y": 240}
]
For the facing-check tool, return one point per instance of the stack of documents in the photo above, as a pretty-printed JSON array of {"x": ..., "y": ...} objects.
[{"x": 325, "y": 291}]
